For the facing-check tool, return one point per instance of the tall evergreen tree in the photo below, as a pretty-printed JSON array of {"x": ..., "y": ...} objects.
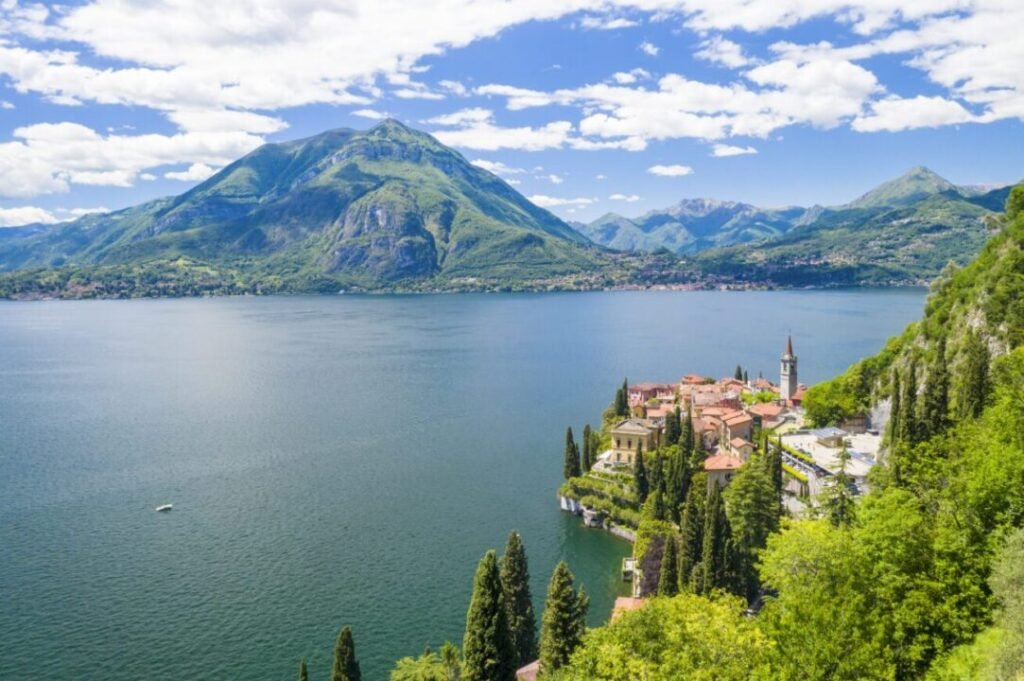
[
  {"x": 909, "y": 430},
  {"x": 658, "y": 509},
  {"x": 691, "y": 539},
  {"x": 487, "y": 651},
  {"x": 739, "y": 373},
  {"x": 746, "y": 377},
  {"x": 640, "y": 476},
  {"x": 935, "y": 407},
  {"x": 564, "y": 620},
  {"x": 346, "y": 667},
  {"x": 896, "y": 409},
  {"x": 303, "y": 673},
  {"x": 622, "y": 400},
  {"x": 672, "y": 427},
  {"x": 697, "y": 455},
  {"x": 752, "y": 509},
  {"x": 589, "y": 455},
  {"x": 452, "y": 661},
  {"x": 571, "y": 468},
  {"x": 677, "y": 484},
  {"x": 668, "y": 580},
  {"x": 656, "y": 472},
  {"x": 686, "y": 434},
  {"x": 515, "y": 587},
  {"x": 715, "y": 560},
  {"x": 974, "y": 383}
]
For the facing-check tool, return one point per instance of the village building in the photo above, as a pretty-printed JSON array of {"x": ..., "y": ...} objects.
[
  {"x": 641, "y": 393},
  {"x": 769, "y": 414},
  {"x": 788, "y": 383},
  {"x": 830, "y": 437},
  {"x": 743, "y": 449},
  {"x": 720, "y": 469},
  {"x": 627, "y": 434}
]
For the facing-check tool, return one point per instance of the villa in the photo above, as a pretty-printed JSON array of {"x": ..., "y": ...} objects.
[{"x": 629, "y": 434}]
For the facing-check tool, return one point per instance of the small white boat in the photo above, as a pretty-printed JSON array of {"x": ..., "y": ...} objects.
[{"x": 165, "y": 507}]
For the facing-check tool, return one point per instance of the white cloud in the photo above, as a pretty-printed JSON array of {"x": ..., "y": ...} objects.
[
  {"x": 454, "y": 87},
  {"x": 731, "y": 150},
  {"x": 721, "y": 51},
  {"x": 4, "y": 104},
  {"x": 554, "y": 201},
  {"x": 79, "y": 212},
  {"x": 497, "y": 167},
  {"x": 372, "y": 114},
  {"x": 463, "y": 116},
  {"x": 606, "y": 23},
  {"x": 650, "y": 49},
  {"x": 417, "y": 93},
  {"x": 600, "y": 177},
  {"x": 894, "y": 114},
  {"x": 628, "y": 198},
  {"x": 486, "y": 136},
  {"x": 670, "y": 170},
  {"x": 25, "y": 215},
  {"x": 514, "y": 183},
  {"x": 554, "y": 179},
  {"x": 630, "y": 77},
  {"x": 147, "y": 177},
  {"x": 197, "y": 172}
]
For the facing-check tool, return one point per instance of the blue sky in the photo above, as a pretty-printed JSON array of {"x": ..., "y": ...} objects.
[{"x": 585, "y": 107}]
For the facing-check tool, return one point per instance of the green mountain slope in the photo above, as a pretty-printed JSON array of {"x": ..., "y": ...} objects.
[
  {"x": 359, "y": 208},
  {"x": 917, "y": 183}
]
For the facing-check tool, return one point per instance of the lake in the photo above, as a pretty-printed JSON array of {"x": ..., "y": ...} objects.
[{"x": 331, "y": 460}]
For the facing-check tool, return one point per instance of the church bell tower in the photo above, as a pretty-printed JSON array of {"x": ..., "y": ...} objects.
[{"x": 787, "y": 374}]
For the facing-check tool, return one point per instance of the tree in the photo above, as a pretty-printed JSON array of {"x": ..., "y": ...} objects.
[
  {"x": 739, "y": 373},
  {"x": 563, "y": 622},
  {"x": 686, "y": 435},
  {"x": 752, "y": 508},
  {"x": 677, "y": 484},
  {"x": 935, "y": 402},
  {"x": 427, "y": 667},
  {"x": 896, "y": 409},
  {"x": 746, "y": 377},
  {"x": 697, "y": 454},
  {"x": 346, "y": 667},
  {"x": 488, "y": 654},
  {"x": 838, "y": 500},
  {"x": 908, "y": 422},
  {"x": 640, "y": 475},
  {"x": 589, "y": 455},
  {"x": 571, "y": 468},
  {"x": 303, "y": 673},
  {"x": 672, "y": 427},
  {"x": 515, "y": 585},
  {"x": 974, "y": 383},
  {"x": 1015, "y": 202},
  {"x": 668, "y": 580},
  {"x": 452, "y": 660},
  {"x": 622, "y": 400},
  {"x": 691, "y": 539},
  {"x": 715, "y": 559}
]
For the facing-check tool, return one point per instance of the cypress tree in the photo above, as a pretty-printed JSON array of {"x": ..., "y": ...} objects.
[
  {"x": 622, "y": 399},
  {"x": 668, "y": 580},
  {"x": 739, "y": 373},
  {"x": 746, "y": 377},
  {"x": 657, "y": 472},
  {"x": 571, "y": 469},
  {"x": 838, "y": 502},
  {"x": 908, "y": 417},
  {"x": 896, "y": 409},
  {"x": 691, "y": 539},
  {"x": 697, "y": 455},
  {"x": 935, "y": 408},
  {"x": 640, "y": 476},
  {"x": 515, "y": 587},
  {"x": 303, "y": 674},
  {"x": 677, "y": 484},
  {"x": 672, "y": 427},
  {"x": 589, "y": 455},
  {"x": 974, "y": 384},
  {"x": 346, "y": 667},
  {"x": 564, "y": 620},
  {"x": 487, "y": 651},
  {"x": 686, "y": 435},
  {"x": 658, "y": 510},
  {"x": 714, "y": 553}
]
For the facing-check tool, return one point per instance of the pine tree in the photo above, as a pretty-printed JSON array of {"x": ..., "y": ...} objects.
[
  {"x": 668, "y": 580},
  {"x": 640, "y": 476},
  {"x": 571, "y": 468},
  {"x": 346, "y": 667},
  {"x": 974, "y": 384},
  {"x": 488, "y": 654},
  {"x": 564, "y": 620},
  {"x": 895, "y": 410},
  {"x": 589, "y": 455},
  {"x": 515, "y": 587},
  {"x": 691, "y": 539},
  {"x": 714, "y": 553},
  {"x": 935, "y": 407},
  {"x": 303, "y": 673}
]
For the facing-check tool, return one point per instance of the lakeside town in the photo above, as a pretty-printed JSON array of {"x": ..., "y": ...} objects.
[{"x": 715, "y": 427}]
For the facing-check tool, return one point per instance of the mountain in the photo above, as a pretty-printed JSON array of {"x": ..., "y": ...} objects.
[
  {"x": 880, "y": 245},
  {"x": 692, "y": 225},
  {"x": 916, "y": 184},
  {"x": 344, "y": 207}
]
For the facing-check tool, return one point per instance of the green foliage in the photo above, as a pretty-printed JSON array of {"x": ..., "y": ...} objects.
[
  {"x": 427, "y": 667},
  {"x": 685, "y": 637},
  {"x": 715, "y": 570},
  {"x": 753, "y": 508},
  {"x": 346, "y": 666},
  {"x": 640, "y": 474},
  {"x": 515, "y": 585},
  {"x": 838, "y": 501},
  {"x": 564, "y": 620},
  {"x": 691, "y": 537},
  {"x": 1015, "y": 202},
  {"x": 571, "y": 465},
  {"x": 487, "y": 650},
  {"x": 668, "y": 579}
]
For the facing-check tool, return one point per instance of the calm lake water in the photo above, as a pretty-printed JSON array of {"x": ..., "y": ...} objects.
[{"x": 331, "y": 460}]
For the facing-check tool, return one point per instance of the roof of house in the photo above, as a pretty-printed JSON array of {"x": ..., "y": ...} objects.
[
  {"x": 766, "y": 409},
  {"x": 722, "y": 462},
  {"x": 694, "y": 379},
  {"x": 829, "y": 432},
  {"x": 529, "y": 672},
  {"x": 737, "y": 418},
  {"x": 738, "y": 442},
  {"x": 646, "y": 387},
  {"x": 634, "y": 425},
  {"x": 625, "y": 604}
]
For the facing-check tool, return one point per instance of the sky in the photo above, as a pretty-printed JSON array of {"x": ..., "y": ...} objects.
[{"x": 585, "y": 107}]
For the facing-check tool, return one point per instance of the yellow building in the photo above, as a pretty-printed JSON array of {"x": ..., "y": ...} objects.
[{"x": 628, "y": 434}]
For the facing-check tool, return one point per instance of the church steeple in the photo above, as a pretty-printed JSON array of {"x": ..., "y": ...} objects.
[{"x": 787, "y": 372}]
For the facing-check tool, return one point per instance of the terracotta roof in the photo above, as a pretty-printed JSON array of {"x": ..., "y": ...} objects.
[
  {"x": 738, "y": 442},
  {"x": 722, "y": 462},
  {"x": 529, "y": 672},
  {"x": 625, "y": 604},
  {"x": 693, "y": 379},
  {"x": 633, "y": 426},
  {"x": 736, "y": 418},
  {"x": 768, "y": 409}
]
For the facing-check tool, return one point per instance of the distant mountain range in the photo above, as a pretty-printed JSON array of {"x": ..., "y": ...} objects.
[
  {"x": 368, "y": 209},
  {"x": 391, "y": 208}
]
